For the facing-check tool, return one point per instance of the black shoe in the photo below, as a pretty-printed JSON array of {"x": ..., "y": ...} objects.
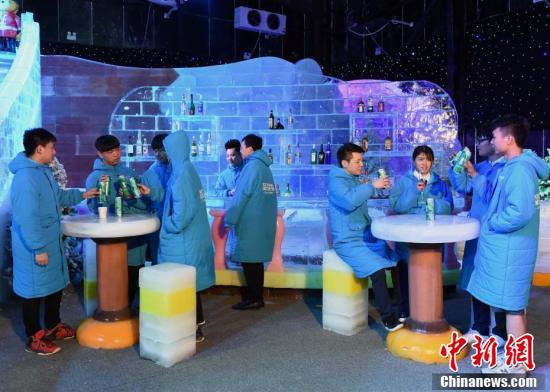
[
  {"x": 392, "y": 323},
  {"x": 199, "y": 337},
  {"x": 403, "y": 316},
  {"x": 248, "y": 304}
]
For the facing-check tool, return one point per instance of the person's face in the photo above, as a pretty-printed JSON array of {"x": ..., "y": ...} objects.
[
  {"x": 422, "y": 164},
  {"x": 161, "y": 155},
  {"x": 233, "y": 157},
  {"x": 485, "y": 148},
  {"x": 355, "y": 165},
  {"x": 246, "y": 151},
  {"x": 46, "y": 153},
  {"x": 111, "y": 157},
  {"x": 501, "y": 141}
]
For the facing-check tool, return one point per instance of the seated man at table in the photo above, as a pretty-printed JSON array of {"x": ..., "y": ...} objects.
[
  {"x": 108, "y": 165},
  {"x": 40, "y": 271},
  {"x": 349, "y": 222},
  {"x": 225, "y": 186}
]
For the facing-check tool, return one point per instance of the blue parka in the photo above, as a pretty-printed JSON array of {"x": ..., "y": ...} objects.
[
  {"x": 37, "y": 201},
  {"x": 227, "y": 180},
  {"x": 185, "y": 232},
  {"x": 405, "y": 198},
  {"x": 252, "y": 211},
  {"x": 349, "y": 223},
  {"x": 481, "y": 187},
  {"x": 508, "y": 240},
  {"x": 137, "y": 246},
  {"x": 156, "y": 176}
]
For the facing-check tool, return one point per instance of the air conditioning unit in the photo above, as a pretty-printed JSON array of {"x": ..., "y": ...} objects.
[{"x": 261, "y": 21}]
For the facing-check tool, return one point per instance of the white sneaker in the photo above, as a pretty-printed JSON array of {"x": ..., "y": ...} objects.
[
  {"x": 501, "y": 368},
  {"x": 501, "y": 342},
  {"x": 469, "y": 336}
]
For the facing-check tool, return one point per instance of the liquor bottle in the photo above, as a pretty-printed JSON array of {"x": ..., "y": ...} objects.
[
  {"x": 381, "y": 105},
  {"x": 365, "y": 142},
  {"x": 183, "y": 106},
  {"x": 313, "y": 155},
  {"x": 139, "y": 147},
  {"x": 328, "y": 154},
  {"x": 370, "y": 105},
  {"x": 361, "y": 105},
  {"x": 321, "y": 156},
  {"x": 201, "y": 146},
  {"x": 387, "y": 142},
  {"x": 357, "y": 138},
  {"x": 200, "y": 106},
  {"x": 145, "y": 148},
  {"x": 209, "y": 144},
  {"x": 290, "y": 119},
  {"x": 279, "y": 125},
  {"x": 271, "y": 120},
  {"x": 289, "y": 155},
  {"x": 130, "y": 150},
  {"x": 194, "y": 148},
  {"x": 191, "y": 106},
  {"x": 277, "y": 190},
  {"x": 270, "y": 155},
  {"x": 288, "y": 193},
  {"x": 298, "y": 155}
]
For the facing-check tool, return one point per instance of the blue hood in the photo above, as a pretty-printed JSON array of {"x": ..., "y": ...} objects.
[
  {"x": 177, "y": 147},
  {"x": 528, "y": 157},
  {"x": 259, "y": 155},
  {"x": 21, "y": 161}
]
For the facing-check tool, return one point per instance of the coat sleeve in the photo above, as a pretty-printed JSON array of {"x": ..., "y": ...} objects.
[
  {"x": 520, "y": 203},
  {"x": 403, "y": 200},
  {"x": 479, "y": 184},
  {"x": 91, "y": 182},
  {"x": 26, "y": 212},
  {"x": 246, "y": 186},
  {"x": 221, "y": 189},
  {"x": 69, "y": 197},
  {"x": 151, "y": 180},
  {"x": 460, "y": 182},
  {"x": 182, "y": 207},
  {"x": 349, "y": 198}
]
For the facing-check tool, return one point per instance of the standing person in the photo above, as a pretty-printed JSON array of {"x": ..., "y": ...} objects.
[
  {"x": 185, "y": 232},
  {"x": 479, "y": 181},
  {"x": 40, "y": 271},
  {"x": 225, "y": 186},
  {"x": 409, "y": 196},
  {"x": 108, "y": 165},
  {"x": 157, "y": 175},
  {"x": 350, "y": 222},
  {"x": 508, "y": 240},
  {"x": 252, "y": 213}
]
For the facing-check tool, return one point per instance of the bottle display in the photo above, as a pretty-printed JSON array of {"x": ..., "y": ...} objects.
[
  {"x": 388, "y": 142},
  {"x": 321, "y": 156},
  {"x": 194, "y": 148},
  {"x": 313, "y": 155},
  {"x": 370, "y": 105},
  {"x": 271, "y": 120},
  {"x": 130, "y": 150},
  {"x": 289, "y": 155},
  {"x": 361, "y": 106}
]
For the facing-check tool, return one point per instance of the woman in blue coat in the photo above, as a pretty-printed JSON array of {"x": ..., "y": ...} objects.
[
  {"x": 408, "y": 196},
  {"x": 185, "y": 232},
  {"x": 40, "y": 271}
]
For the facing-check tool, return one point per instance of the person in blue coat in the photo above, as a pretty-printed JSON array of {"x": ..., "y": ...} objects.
[
  {"x": 349, "y": 223},
  {"x": 185, "y": 232},
  {"x": 225, "y": 185},
  {"x": 156, "y": 176},
  {"x": 508, "y": 240},
  {"x": 409, "y": 196},
  {"x": 479, "y": 181},
  {"x": 40, "y": 270},
  {"x": 108, "y": 165},
  {"x": 252, "y": 213}
]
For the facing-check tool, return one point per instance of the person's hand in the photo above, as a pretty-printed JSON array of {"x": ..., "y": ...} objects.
[
  {"x": 231, "y": 192},
  {"x": 421, "y": 185},
  {"x": 472, "y": 172},
  {"x": 90, "y": 193},
  {"x": 144, "y": 190},
  {"x": 104, "y": 178},
  {"x": 382, "y": 183},
  {"x": 41, "y": 258}
]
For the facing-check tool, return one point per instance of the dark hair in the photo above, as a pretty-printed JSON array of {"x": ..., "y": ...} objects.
[
  {"x": 253, "y": 141},
  {"x": 233, "y": 143},
  {"x": 345, "y": 152},
  {"x": 106, "y": 143},
  {"x": 485, "y": 132},
  {"x": 424, "y": 150},
  {"x": 156, "y": 143},
  {"x": 36, "y": 137},
  {"x": 513, "y": 124}
]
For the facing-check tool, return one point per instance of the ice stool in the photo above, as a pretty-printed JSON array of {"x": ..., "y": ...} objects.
[
  {"x": 90, "y": 276},
  {"x": 345, "y": 297},
  {"x": 167, "y": 313}
]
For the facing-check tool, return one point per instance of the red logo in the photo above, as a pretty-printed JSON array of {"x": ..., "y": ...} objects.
[
  {"x": 452, "y": 349},
  {"x": 520, "y": 351},
  {"x": 484, "y": 352}
]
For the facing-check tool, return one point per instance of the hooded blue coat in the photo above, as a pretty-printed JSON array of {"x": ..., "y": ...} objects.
[
  {"x": 481, "y": 187},
  {"x": 405, "y": 198},
  {"x": 185, "y": 232},
  {"x": 349, "y": 223},
  {"x": 37, "y": 201},
  {"x": 227, "y": 180},
  {"x": 137, "y": 246},
  {"x": 156, "y": 177},
  {"x": 252, "y": 211},
  {"x": 508, "y": 240}
]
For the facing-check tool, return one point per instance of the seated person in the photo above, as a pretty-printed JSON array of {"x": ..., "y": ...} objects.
[
  {"x": 225, "y": 186},
  {"x": 349, "y": 223}
]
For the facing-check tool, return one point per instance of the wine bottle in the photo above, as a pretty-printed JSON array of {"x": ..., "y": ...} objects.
[
  {"x": 130, "y": 150},
  {"x": 288, "y": 193},
  {"x": 313, "y": 155},
  {"x": 194, "y": 148},
  {"x": 271, "y": 120},
  {"x": 361, "y": 105},
  {"x": 139, "y": 147},
  {"x": 387, "y": 142},
  {"x": 270, "y": 155},
  {"x": 321, "y": 156},
  {"x": 183, "y": 106},
  {"x": 209, "y": 145},
  {"x": 328, "y": 154},
  {"x": 289, "y": 155},
  {"x": 381, "y": 105},
  {"x": 201, "y": 146},
  {"x": 370, "y": 105},
  {"x": 145, "y": 148},
  {"x": 191, "y": 106}
]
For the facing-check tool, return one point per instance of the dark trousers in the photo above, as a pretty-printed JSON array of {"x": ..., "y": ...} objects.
[
  {"x": 403, "y": 287},
  {"x": 482, "y": 319},
  {"x": 200, "y": 314},
  {"x": 254, "y": 276},
  {"x": 133, "y": 282},
  {"x": 381, "y": 295},
  {"x": 31, "y": 312}
]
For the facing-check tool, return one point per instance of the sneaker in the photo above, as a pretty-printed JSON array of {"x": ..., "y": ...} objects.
[
  {"x": 501, "y": 342},
  {"x": 403, "y": 316},
  {"x": 469, "y": 336},
  {"x": 60, "y": 332},
  {"x": 392, "y": 323},
  {"x": 41, "y": 345},
  {"x": 198, "y": 335},
  {"x": 501, "y": 368},
  {"x": 203, "y": 322},
  {"x": 248, "y": 304}
]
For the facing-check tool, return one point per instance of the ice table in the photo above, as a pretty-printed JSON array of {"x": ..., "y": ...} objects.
[
  {"x": 426, "y": 329},
  {"x": 111, "y": 326}
]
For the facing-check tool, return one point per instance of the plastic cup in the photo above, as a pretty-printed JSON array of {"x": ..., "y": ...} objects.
[{"x": 102, "y": 212}]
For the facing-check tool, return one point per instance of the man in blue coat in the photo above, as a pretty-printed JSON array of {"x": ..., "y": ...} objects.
[
  {"x": 479, "y": 181},
  {"x": 252, "y": 213},
  {"x": 156, "y": 176},
  {"x": 108, "y": 165},
  {"x": 185, "y": 232},
  {"x": 508, "y": 240},
  {"x": 349, "y": 222},
  {"x": 225, "y": 186},
  {"x": 40, "y": 271}
]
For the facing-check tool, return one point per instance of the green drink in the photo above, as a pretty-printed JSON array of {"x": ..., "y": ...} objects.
[
  {"x": 103, "y": 187},
  {"x": 124, "y": 189},
  {"x": 430, "y": 209},
  {"x": 118, "y": 206},
  {"x": 134, "y": 188}
]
